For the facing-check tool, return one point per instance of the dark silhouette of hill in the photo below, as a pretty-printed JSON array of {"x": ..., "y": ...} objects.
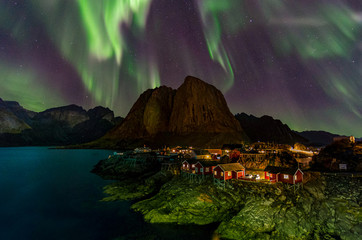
[{"x": 268, "y": 129}]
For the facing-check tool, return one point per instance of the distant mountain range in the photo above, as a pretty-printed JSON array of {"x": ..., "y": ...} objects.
[
  {"x": 53, "y": 127},
  {"x": 196, "y": 114}
]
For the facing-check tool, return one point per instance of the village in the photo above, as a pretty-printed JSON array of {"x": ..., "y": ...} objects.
[
  {"x": 260, "y": 162},
  {"x": 229, "y": 163},
  {"x": 188, "y": 185}
]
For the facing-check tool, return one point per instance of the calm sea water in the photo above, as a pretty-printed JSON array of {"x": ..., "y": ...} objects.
[{"x": 51, "y": 194}]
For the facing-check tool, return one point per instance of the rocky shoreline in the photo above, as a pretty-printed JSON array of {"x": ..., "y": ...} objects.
[{"x": 327, "y": 207}]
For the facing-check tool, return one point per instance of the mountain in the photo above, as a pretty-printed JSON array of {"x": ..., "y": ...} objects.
[
  {"x": 20, "y": 112},
  {"x": 9, "y": 123},
  {"x": 148, "y": 116},
  {"x": 267, "y": 129},
  {"x": 318, "y": 138},
  {"x": 196, "y": 114},
  {"x": 52, "y": 127}
]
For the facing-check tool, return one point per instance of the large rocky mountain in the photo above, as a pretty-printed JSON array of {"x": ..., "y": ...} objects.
[
  {"x": 195, "y": 114},
  {"x": 268, "y": 129},
  {"x": 56, "y": 126}
]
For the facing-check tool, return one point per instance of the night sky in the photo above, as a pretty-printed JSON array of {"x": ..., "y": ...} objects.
[{"x": 298, "y": 61}]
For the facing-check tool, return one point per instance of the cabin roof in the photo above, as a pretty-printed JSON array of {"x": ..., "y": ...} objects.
[
  {"x": 283, "y": 170},
  {"x": 231, "y": 167},
  {"x": 208, "y": 163}
]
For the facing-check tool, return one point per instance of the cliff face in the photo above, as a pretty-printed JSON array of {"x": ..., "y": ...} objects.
[
  {"x": 194, "y": 114},
  {"x": 148, "y": 116},
  {"x": 200, "y": 107},
  {"x": 267, "y": 129}
]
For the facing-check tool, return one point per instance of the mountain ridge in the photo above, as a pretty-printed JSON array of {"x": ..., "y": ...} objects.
[
  {"x": 196, "y": 113},
  {"x": 268, "y": 129},
  {"x": 63, "y": 125}
]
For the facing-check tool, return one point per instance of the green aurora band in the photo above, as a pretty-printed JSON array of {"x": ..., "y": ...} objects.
[
  {"x": 89, "y": 37},
  {"x": 93, "y": 36},
  {"x": 17, "y": 82}
]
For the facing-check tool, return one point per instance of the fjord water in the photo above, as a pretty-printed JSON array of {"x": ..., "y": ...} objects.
[{"x": 51, "y": 194}]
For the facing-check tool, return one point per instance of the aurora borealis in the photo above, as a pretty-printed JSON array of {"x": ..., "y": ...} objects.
[{"x": 299, "y": 61}]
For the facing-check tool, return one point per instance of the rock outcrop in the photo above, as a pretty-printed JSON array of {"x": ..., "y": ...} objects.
[
  {"x": 183, "y": 203},
  {"x": 341, "y": 152},
  {"x": 267, "y": 129},
  {"x": 327, "y": 207},
  {"x": 194, "y": 114}
]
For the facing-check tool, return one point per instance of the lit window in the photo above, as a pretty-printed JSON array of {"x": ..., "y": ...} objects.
[
  {"x": 295, "y": 177},
  {"x": 267, "y": 174},
  {"x": 229, "y": 174},
  {"x": 215, "y": 173},
  {"x": 193, "y": 165},
  {"x": 207, "y": 169},
  {"x": 221, "y": 174},
  {"x": 286, "y": 176}
]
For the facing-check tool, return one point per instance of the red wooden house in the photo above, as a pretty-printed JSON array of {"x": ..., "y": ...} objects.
[
  {"x": 285, "y": 175},
  {"x": 205, "y": 167},
  {"x": 189, "y": 165},
  {"x": 229, "y": 171}
]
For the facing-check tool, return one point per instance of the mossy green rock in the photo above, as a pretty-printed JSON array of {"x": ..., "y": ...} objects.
[
  {"x": 324, "y": 209},
  {"x": 135, "y": 188},
  {"x": 182, "y": 202}
]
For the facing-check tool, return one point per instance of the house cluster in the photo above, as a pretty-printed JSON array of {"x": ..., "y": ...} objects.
[
  {"x": 285, "y": 175},
  {"x": 225, "y": 172},
  {"x": 206, "y": 162},
  {"x": 220, "y": 171},
  {"x": 232, "y": 151}
]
